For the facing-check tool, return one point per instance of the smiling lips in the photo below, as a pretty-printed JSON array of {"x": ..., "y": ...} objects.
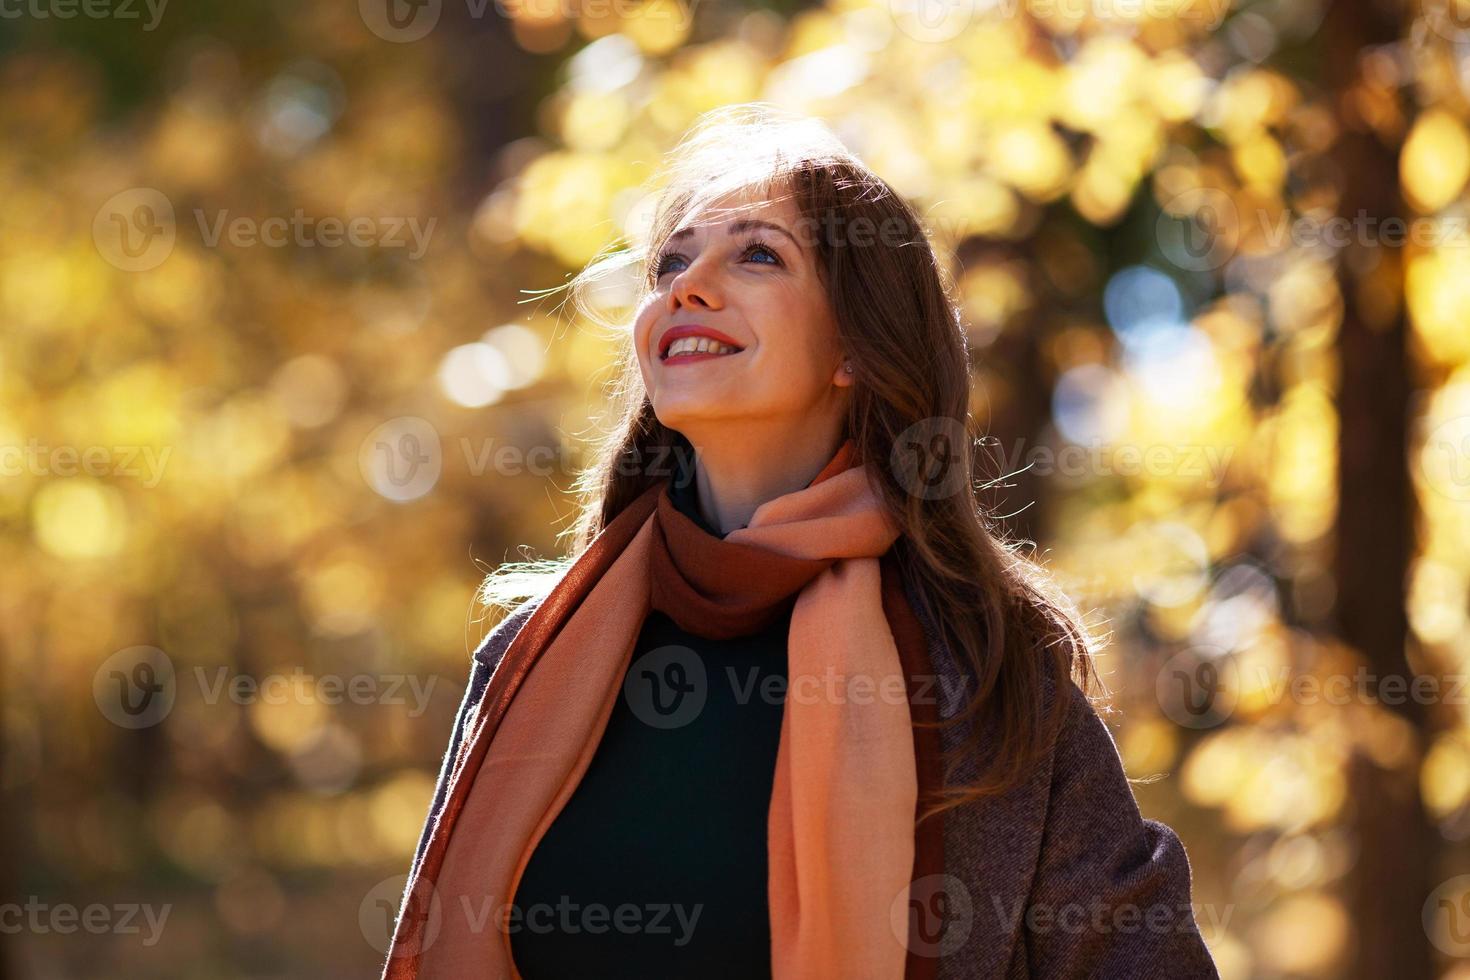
[
  {"x": 692, "y": 342},
  {"x": 686, "y": 347}
]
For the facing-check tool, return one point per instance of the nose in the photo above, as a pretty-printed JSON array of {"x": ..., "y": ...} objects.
[{"x": 695, "y": 287}]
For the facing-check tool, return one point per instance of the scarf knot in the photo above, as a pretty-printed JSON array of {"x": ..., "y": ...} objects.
[
  {"x": 717, "y": 588},
  {"x": 722, "y": 587}
]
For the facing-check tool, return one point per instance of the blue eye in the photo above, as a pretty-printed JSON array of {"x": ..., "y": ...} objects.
[
  {"x": 752, "y": 248},
  {"x": 748, "y": 250}
]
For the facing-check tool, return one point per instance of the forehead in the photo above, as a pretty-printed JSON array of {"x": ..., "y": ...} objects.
[{"x": 737, "y": 213}]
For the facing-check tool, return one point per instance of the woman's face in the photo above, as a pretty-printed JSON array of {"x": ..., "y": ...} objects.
[{"x": 748, "y": 276}]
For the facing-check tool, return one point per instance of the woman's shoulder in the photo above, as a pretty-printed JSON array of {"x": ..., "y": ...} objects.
[
  {"x": 1087, "y": 770},
  {"x": 1084, "y": 736},
  {"x": 1101, "y": 856},
  {"x": 520, "y": 589},
  {"x": 492, "y": 648}
]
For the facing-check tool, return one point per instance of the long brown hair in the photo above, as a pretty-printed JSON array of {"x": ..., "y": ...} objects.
[{"x": 899, "y": 323}]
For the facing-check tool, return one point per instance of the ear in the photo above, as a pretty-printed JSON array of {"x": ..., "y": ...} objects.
[{"x": 843, "y": 376}]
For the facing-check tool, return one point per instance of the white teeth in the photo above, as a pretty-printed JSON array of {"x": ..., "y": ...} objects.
[{"x": 701, "y": 345}]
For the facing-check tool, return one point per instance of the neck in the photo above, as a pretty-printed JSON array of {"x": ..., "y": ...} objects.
[{"x": 733, "y": 480}]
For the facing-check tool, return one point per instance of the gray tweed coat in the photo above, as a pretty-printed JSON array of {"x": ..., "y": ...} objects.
[{"x": 1061, "y": 877}]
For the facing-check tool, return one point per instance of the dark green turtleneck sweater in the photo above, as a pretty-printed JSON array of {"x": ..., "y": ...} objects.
[{"x": 656, "y": 867}]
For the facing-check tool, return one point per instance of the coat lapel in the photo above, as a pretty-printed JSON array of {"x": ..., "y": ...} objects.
[{"x": 992, "y": 847}]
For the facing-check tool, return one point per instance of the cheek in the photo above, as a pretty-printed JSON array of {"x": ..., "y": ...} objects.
[
  {"x": 817, "y": 348},
  {"x": 642, "y": 326},
  {"x": 798, "y": 345},
  {"x": 643, "y": 332},
  {"x": 791, "y": 367}
]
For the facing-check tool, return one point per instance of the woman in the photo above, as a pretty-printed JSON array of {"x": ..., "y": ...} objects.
[{"x": 791, "y": 709}]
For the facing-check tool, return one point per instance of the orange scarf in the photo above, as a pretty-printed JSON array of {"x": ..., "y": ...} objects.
[{"x": 842, "y": 842}]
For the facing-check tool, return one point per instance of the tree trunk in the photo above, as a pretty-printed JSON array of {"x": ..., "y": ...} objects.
[
  {"x": 1014, "y": 425},
  {"x": 1394, "y": 871}
]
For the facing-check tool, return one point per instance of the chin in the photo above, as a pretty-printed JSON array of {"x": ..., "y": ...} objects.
[{"x": 675, "y": 413}]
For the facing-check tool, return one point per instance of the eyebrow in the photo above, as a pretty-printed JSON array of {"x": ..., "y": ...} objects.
[{"x": 737, "y": 227}]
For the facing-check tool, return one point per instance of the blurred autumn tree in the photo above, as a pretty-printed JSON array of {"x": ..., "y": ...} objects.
[{"x": 1240, "y": 442}]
